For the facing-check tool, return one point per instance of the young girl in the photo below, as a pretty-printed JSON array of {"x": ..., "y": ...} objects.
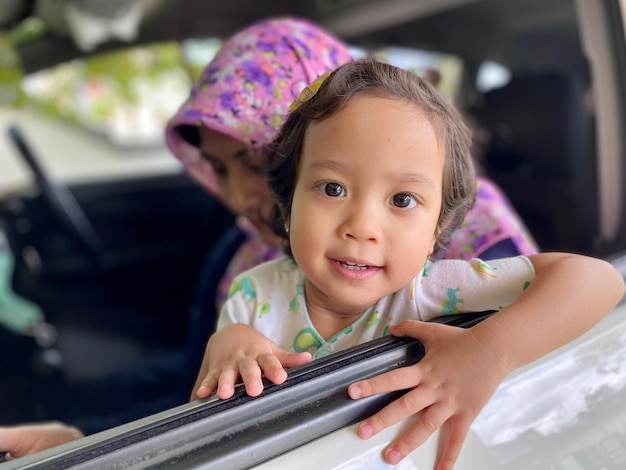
[{"x": 372, "y": 174}]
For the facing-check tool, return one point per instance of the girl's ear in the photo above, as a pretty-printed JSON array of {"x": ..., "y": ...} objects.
[
  {"x": 432, "y": 246},
  {"x": 433, "y": 242}
]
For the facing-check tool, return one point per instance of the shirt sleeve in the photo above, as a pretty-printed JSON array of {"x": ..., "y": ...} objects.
[
  {"x": 240, "y": 304},
  {"x": 456, "y": 286}
]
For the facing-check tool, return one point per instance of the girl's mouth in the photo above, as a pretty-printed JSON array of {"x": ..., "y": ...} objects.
[
  {"x": 355, "y": 271},
  {"x": 353, "y": 266}
]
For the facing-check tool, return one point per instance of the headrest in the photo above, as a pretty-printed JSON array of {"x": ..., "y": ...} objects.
[{"x": 535, "y": 120}]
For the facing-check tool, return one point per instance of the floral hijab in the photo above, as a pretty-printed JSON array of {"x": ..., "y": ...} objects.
[{"x": 246, "y": 90}]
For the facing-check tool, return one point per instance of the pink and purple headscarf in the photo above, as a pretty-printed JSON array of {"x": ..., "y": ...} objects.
[{"x": 246, "y": 90}]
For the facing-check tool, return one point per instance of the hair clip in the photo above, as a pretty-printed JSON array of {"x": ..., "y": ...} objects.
[{"x": 309, "y": 91}]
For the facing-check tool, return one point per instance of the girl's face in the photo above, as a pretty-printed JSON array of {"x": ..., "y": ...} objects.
[
  {"x": 366, "y": 203},
  {"x": 241, "y": 180}
]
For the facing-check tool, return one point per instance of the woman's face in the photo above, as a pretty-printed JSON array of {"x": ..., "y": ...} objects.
[{"x": 241, "y": 180}]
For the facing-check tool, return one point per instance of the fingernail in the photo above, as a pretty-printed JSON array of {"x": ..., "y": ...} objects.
[
  {"x": 355, "y": 391},
  {"x": 393, "y": 456},
  {"x": 255, "y": 386},
  {"x": 366, "y": 431}
]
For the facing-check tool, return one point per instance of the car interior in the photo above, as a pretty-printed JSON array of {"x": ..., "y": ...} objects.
[{"x": 115, "y": 264}]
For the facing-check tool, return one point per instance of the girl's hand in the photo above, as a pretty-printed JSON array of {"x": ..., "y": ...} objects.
[
  {"x": 451, "y": 384},
  {"x": 239, "y": 351}
]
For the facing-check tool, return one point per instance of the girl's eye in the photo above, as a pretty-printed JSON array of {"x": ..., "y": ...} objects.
[
  {"x": 404, "y": 200},
  {"x": 332, "y": 189}
]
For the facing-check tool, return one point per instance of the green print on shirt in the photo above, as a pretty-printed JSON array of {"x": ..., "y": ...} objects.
[
  {"x": 449, "y": 305},
  {"x": 306, "y": 339},
  {"x": 264, "y": 309},
  {"x": 483, "y": 268},
  {"x": 373, "y": 319},
  {"x": 245, "y": 286},
  {"x": 294, "y": 305}
]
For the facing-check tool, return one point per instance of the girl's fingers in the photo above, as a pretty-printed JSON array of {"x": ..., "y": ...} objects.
[
  {"x": 398, "y": 379},
  {"x": 404, "y": 377},
  {"x": 207, "y": 387},
  {"x": 204, "y": 390},
  {"x": 289, "y": 359},
  {"x": 272, "y": 368},
  {"x": 396, "y": 411},
  {"x": 250, "y": 370},
  {"x": 452, "y": 436},
  {"x": 430, "y": 421},
  {"x": 251, "y": 376},
  {"x": 226, "y": 381}
]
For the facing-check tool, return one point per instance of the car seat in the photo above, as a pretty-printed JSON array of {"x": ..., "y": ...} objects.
[
  {"x": 162, "y": 382},
  {"x": 542, "y": 153},
  {"x": 203, "y": 313}
]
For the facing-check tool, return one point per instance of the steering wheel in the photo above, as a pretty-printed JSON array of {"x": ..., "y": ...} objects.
[{"x": 61, "y": 201}]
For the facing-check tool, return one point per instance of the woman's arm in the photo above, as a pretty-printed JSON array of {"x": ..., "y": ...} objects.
[
  {"x": 463, "y": 368},
  {"x": 17, "y": 441}
]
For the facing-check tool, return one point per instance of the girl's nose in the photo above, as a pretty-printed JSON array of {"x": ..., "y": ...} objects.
[{"x": 360, "y": 223}]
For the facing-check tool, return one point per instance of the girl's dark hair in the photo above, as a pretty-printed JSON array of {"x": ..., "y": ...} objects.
[{"x": 373, "y": 78}]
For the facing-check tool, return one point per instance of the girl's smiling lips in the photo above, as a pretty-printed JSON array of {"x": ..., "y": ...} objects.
[{"x": 353, "y": 269}]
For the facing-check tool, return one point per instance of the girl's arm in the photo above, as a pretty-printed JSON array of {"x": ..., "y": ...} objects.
[
  {"x": 463, "y": 368},
  {"x": 236, "y": 352},
  {"x": 570, "y": 294}
]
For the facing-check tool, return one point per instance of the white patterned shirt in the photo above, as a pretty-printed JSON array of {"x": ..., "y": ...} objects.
[{"x": 270, "y": 298}]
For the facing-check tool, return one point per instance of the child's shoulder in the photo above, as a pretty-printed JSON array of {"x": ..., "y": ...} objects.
[
  {"x": 267, "y": 279},
  {"x": 279, "y": 267}
]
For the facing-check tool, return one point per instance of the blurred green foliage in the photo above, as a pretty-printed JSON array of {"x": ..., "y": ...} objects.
[
  {"x": 124, "y": 66},
  {"x": 10, "y": 73}
]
